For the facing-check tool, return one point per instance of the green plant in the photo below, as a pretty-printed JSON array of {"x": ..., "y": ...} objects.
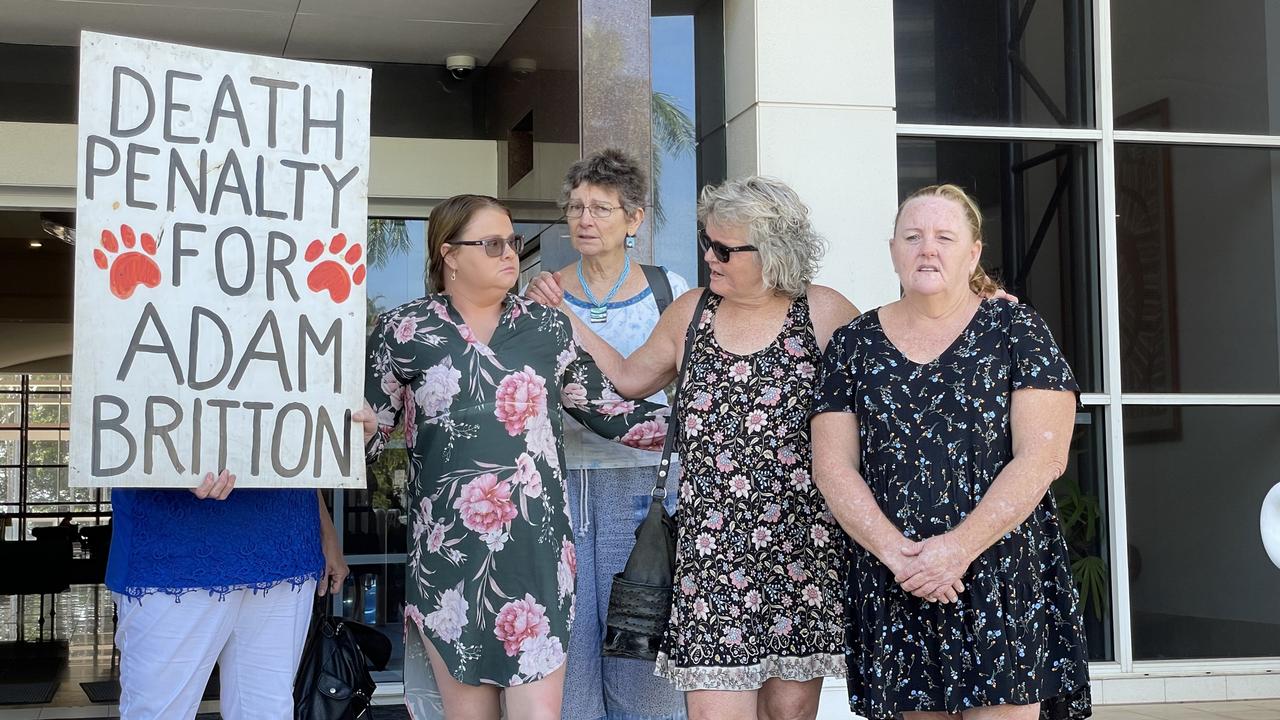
[{"x": 1081, "y": 516}]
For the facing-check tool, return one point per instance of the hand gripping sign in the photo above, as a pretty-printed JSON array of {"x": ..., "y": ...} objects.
[{"x": 219, "y": 288}]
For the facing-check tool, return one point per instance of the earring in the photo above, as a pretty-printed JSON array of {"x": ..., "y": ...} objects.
[
  {"x": 631, "y": 241},
  {"x": 453, "y": 275}
]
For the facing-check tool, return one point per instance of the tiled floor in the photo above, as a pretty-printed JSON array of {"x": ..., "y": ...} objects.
[
  {"x": 1235, "y": 710},
  {"x": 77, "y": 646}
]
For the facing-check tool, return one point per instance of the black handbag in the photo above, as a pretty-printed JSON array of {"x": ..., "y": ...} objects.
[
  {"x": 333, "y": 681},
  {"x": 640, "y": 598}
]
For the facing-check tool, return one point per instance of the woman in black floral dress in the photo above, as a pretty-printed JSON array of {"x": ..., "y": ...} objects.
[
  {"x": 755, "y": 624},
  {"x": 941, "y": 422}
]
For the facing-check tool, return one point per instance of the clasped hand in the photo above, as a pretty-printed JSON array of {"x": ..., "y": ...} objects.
[{"x": 932, "y": 569}]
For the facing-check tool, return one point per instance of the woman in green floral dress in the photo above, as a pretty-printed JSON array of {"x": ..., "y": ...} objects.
[{"x": 474, "y": 372}]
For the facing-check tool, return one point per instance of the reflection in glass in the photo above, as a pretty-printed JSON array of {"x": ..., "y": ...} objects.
[
  {"x": 48, "y": 410},
  {"x": 1191, "y": 219},
  {"x": 1082, "y": 509},
  {"x": 1191, "y": 65},
  {"x": 397, "y": 264},
  {"x": 1201, "y": 585},
  {"x": 1040, "y": 226},
  {"x": 374, "y": 521},
  {"x": 994, "y": 63},
  {"x": 374, "y": 595},
  {"x": 10, "y": 409},
  {"x": 47, "y": 447}
]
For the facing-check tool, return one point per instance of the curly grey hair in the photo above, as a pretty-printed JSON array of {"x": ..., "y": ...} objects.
[
  {"x": 613, "y": 169},
  {"x": 777, "y": 223}
]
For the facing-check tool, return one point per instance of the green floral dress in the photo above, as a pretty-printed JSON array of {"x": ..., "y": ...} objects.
[{"x": 491, "y": 559}]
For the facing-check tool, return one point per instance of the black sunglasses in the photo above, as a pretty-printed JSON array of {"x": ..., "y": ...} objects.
[
  {"x": 494, "y": 246},
  {"x": 721, "y": 250}
]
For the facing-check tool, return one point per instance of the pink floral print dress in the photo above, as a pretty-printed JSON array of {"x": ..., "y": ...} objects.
[
  {"x": 758, "y": 574},
  {"x": 491, "y": 559}
]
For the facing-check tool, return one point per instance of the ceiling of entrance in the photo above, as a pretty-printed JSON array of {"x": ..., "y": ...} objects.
[{"x": 405, "y": 31}]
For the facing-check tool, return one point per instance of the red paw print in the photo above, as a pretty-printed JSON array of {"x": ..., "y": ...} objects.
[
  {"x": 130, "y": 269},
  {"x": 332, "y": 275}
]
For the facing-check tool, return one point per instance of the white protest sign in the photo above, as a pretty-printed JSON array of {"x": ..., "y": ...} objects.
[{"x": 219, "y": 296}]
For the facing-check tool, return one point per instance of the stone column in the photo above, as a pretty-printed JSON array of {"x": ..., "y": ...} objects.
[{"x": 809, "y": 93}]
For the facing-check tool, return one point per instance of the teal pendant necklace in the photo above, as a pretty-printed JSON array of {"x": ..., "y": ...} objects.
[{"x": 600, "y": 308}]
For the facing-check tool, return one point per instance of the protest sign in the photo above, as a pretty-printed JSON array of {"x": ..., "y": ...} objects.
[{"x": 219, "y": 286}]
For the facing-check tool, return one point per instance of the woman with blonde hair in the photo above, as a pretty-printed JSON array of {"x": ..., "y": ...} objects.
[
  {"x": 755, "y": 622},
  {"x": 941, "y": 421}
]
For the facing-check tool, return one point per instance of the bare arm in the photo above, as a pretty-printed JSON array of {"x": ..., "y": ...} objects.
[
  {"x": 835, "y": 471},
  {"x": 829, "y": 311},
  {"x": 647, "y": 370},
  {"x": 335, "y": 565},
  {"x": 1040, "y": 421}
]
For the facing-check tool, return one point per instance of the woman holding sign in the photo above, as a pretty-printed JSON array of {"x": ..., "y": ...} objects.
[{"x": 474, "y": 372}]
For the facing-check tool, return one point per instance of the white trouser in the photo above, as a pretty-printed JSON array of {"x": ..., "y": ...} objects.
[{"x": 168, "y": 648}]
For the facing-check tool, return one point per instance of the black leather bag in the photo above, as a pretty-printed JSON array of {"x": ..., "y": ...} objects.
[
  {"x": 640, "y": 598},
  {"x": 333, "y": 681}
]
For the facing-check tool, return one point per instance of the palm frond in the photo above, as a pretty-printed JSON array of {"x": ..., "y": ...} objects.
[
  {"x": 673, "y": 133},
  {"x": 386, "y": 238}
]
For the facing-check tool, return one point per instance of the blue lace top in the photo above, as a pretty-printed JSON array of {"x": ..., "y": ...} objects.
[{"x": 170, "y": 541}]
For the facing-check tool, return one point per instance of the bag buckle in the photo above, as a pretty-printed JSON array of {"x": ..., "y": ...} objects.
[{"x": 659, "y": 494}]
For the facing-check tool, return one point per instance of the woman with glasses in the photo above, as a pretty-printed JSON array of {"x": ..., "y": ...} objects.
[
  {"x": 756, "y": 619},
  {"x": 609, "y": 485},
  {"x": 474, "y": 373}
]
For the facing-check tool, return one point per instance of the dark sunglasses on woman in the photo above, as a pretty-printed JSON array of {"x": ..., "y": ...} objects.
[
  {"x": 494, "y": 246},
  {"x": 721, "y": 250}
]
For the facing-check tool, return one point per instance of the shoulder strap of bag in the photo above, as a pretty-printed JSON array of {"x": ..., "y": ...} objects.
[
  {"x": 660, "y": 489},
  {"x": 659, "y": 284}
]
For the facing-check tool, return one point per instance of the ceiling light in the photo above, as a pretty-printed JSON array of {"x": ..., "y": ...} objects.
[{"x": 35, "y": 244}]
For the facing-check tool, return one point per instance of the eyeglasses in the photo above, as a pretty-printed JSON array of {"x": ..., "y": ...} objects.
[
  {"x": 494, "y": 246},
  {"x": 721, "y": 250},
  {"x": 599, "y": 212}
]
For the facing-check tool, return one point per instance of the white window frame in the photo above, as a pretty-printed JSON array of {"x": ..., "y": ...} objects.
[{"x": 1104, "y": 138}]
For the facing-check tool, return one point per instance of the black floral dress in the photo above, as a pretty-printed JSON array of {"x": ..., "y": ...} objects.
[
  {"x": 758, "y": 581},
  {"x": 933, "y": 439}
]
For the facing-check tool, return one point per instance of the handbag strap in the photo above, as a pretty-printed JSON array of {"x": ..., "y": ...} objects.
[{"x": 659, "y": 492}]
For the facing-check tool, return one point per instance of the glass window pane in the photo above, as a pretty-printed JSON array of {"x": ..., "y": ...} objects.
[
  {"x": 48, "y": 410},
  {"x": 49, "y": 485},
  {"x": 1198, "y": 237},
  {"x": 47, "y": 447},
  {"x": 10, "y": 486},
  {"x": 1192, "y": 65},
  {"x": 1201, "y": 585},
  {"x": 1040, "y": 228},
  {"x": 374, "y": 522},
  {"x": 49, "y": 382},
  {"x": 9, "y": 523},
  {"x": 397, "y": 263},
  {"x": 374, "y": 595},
  {"x": 10, "y": 409},
  {"x": 9, "y": 440},
  {"x": 674, "y": 221},
  {"x": 994, "y": 63},
  {"x": 1081, "y": 496}
]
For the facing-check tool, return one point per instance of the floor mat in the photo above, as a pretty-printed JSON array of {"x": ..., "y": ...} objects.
[
  {"x": 108, "y": 691},
  {"x": 27, "y": 693}
]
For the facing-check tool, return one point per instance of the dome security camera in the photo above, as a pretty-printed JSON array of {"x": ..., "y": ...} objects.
[{"x": 460, "y": 66}]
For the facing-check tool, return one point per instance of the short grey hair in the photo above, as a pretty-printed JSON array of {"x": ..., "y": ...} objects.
[
  {"x": 777, "y": 223},
  {"x": 613, "y": 169}
]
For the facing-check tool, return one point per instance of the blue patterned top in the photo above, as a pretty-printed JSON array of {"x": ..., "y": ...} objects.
[
  {"x": 171, "y": 542},
  {"x": 629, "y": 325}
]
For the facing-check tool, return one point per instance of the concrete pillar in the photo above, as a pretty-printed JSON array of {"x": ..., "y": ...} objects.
[{"x": 809, "y": 93}]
